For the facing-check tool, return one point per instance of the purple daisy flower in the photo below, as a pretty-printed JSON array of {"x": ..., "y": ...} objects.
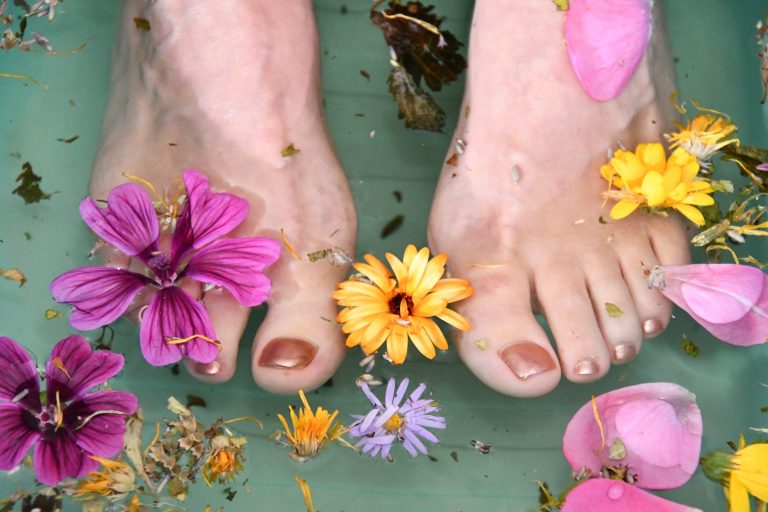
[
  {"x": 174, "y": 324},
  {"x": 72, "y": 425},
  {"x": 392, "y": 422}
]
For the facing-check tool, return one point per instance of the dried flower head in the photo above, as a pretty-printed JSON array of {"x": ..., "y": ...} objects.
[
  {"x": 115, "y": 478},
  {"x": 703, "y": 136},
  {"x": 225, "y": 461},
  {"x": 312, "y": 431}
]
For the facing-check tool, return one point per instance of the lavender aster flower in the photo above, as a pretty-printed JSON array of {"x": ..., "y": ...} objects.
[
  {"x": 391, "y": 422},
  {"x": 174, "y": 324},
  {"x": 763, "y": 167},
  {"x": 72, "y": 425}
]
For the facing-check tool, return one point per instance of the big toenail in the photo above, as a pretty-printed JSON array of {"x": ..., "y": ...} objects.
[
  {"x": 585, "y": 367},
  {"x": 624, "y": 352},
  {"x": 287, "y": 353},
  {"x": 527, "y": 359},
  {"x": 651, "y": 327},
  {"x": 209, "y": 369}
]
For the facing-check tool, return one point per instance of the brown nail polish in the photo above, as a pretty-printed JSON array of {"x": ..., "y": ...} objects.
[
  {"x": 651, "y": 327},
  {"x": 211, "y": 368},
  {"x": 585, "y": 367},
  {"x": 287, "y": 353},
  {"x": 527, "y": 359},
  {"x": 624, "y": 352}
]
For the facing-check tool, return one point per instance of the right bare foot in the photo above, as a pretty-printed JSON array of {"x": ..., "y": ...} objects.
[
  {"x": 187, "y": 94},
  {"x": 519, "y": 214}
]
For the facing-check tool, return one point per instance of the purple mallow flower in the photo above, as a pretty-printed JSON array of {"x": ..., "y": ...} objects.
[
  {"x": 71, "y": 425},
  {"x": 392, "y": 422},
  {"x": 174, "y": 324}
]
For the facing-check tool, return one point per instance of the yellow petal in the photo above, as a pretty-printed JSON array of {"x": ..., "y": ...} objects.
[
  {"x": 653, "y": 188},
  {"x": 623, "y": 208},
  {"x": 691, "y": 212},
  {"x": 699, "y": 199},
  {"x": 397, "y": 344},
  {"x": 452, "y": 289},
  {"x": 348, "y": 288},
  {"x": 373, "y": 332},
  {"x": 400, "y": 270},
  {"x": 422, "y": 343},
  {"x": 671, "y": 178},
  {"x": 653, "y": 155},
  {"x": 409, "y": 254},
  {"x": 453, "y": 318},
  {"x": 360, "y": 323},
  {"x": 431, "y": 305},
  {"x": 383, "y": 281},
  {"x": 738, "y": 498},
  {"x": 362, "y": 311},
  {"x": 434, "y": 332},
  {"x": 752, "y": 464},
  {"x": 371, "y": 345},
  {"x": 354, "y": 338},
  {"x": 416, "y": 270},
  {"x": 432, "y": 274}
]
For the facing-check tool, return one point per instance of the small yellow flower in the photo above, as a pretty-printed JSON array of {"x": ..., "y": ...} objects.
[
  {"x": 647, "y": 177},
  {"x": 748, "y": 476},
  {"x": 116, "y": 478},
  {"x": 225, "y": 460},
  {"x": 312, "y": 431},
  {"x": 703, "y": 136},
  {"x": 396, "y": 309}
]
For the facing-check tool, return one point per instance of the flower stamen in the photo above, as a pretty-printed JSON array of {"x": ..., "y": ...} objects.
[
  {"x": 58, "y": 363},
  {"x": 59, "y": 412},
  {"x": 181, "y": 341}
]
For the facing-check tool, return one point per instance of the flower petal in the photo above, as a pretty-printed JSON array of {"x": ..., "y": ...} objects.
[
  {"x": 74, "y": 368},
  {"x": 16, "y": 437},
  {"x": 98, "y": 294},
  {"x": 237, "y": 264},
  {"x": 102, "y": 434},
  {"x": 19, "y": 374},
  {"x": 738, "y": 496},
  {"x": 397, "y": 344},
  {"x": 691, "y": 212},
  {"x": 623, "y": 208},
  {"x": 206, "y": 215},
  {"x": 173, "y": 314},
  {"x": 605, "y": 495},
  {"x": 751, "y": 469},
  {"x": 129, "y": 221},
  {"x": 58, "y": 457},
  {"x": 456, "y": 320}
]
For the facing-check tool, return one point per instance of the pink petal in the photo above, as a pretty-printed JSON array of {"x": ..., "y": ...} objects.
[
  {"x": 58, "y": 457},
  {"x": 102, "y": 435},
  {"x": 19, "y": 374},
  {"x": 206, "y": 216},
  {"x": 99, "y": 295},
  {"x": 604, "y": 495},
  {"x": 238, "y": 265},
  {"x": 730, "y": 301},
  {"x": 15, "y": 435},
  {"x": 129, "y": 221},
  {"x": 606, "y": 40},
  {"x": 658, "y": 423},
  {"x": 85, "y": 368},
  {"x": 172, "y": 313}
]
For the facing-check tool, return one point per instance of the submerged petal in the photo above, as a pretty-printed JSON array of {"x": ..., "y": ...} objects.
[
  {"x": 129, "y": 221},
  {"x": 605, "y": 495},
  {"x": 238, "y": 265},
  {"x": 99, "y": 295},
  {"x": 173, "y": 315},
  {"x": 98, "y": 421},
  {"x": 16, "y": 436},
  {"x": 18, "y": 378},
  {"x": 57, "y": 457}
]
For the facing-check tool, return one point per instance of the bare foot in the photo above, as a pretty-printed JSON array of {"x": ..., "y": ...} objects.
[
  {"x": 520, "y": 213},
  {"x": 188, "y": 94}
]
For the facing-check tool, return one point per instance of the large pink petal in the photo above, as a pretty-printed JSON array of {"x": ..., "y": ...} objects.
[
  {"x": 206, "y": 216},
  {"x": 606, "y": 40},
  {"x": 129, "y": 221},
  {"x": 18, "y": 378},
  {"x": 658, "y": 423},
  {"x": 102, "y": 434},
  {"x": 99, "y": 295},
  {"x": 730, "y": 301},
  {"x": 58, "y": 457},
  {"x": 16, "y": 435},
  {"x": 74, "y": 368},
  {"x": 173, "y": 314},
  {"x": 238, "y": 265},
  {"x": 604, "y": 495}
]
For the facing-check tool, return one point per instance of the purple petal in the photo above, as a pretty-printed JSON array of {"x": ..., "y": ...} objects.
[
  {"x": 129, "y": 221},
  {"x": 18, "y": 375},
  {"x": 238, "y": 265},
  {"x": 605, "y": 42},
  {"x": 74, "y": 368},
  {"x": 401, "y": 390},
  {"x": 658, "y": 423},
  {"x": 206, "y": 216},
  {"x": 98, "y": 294},
  {"x": 371, "y": 397},
  {"x": 58, "y": 457},
  {"x": 762, "y": 167},
  {"x": 390, "y": 393},
  {"x": 604, "y": 495},
  {"x": 173, "y": 314},
  {"x": 16, "y": 436},
  {"x": 411, "y": 437},
  {"x": 101, "y": 434},
  {"x": 730, "y": 301},
  {"x": 367, "y": 421}
]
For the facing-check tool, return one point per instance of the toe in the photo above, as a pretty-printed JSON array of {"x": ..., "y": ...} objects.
[
  {"x": 669, "y": 240},
  {"x": 562, "y": 292},
  {"x": 506, "y": 348}
]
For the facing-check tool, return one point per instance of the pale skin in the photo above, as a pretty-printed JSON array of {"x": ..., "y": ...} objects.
[{"x": 232, "y": 102}]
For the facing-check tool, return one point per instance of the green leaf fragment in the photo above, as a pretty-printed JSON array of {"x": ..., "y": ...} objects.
[
  {"x": 289, "y": 150},
  {"x": 455, "y": 456},
  {"x": 142, "y": 24},
  {"x": 69, "y": 140},
  {"x": 617, "y": 451},
  {"x": 29, "y": 188},
  {"x": 613, "y": 310},
  {"x": 481, "y": 344},
  {"x": 392, "y": 226},
  {"x": 50, "y": 314},
  {"x": 416, "y": 107},
  {"x": 689, "y": 347},
  {"x": 562, "y": 5}
]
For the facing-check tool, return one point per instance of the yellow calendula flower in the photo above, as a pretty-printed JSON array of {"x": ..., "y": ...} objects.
[
  {"x": 312, "y": 431},
  {"x": 379, "y": 308},
  {"x": 646, "y": 177},
  {"x": 225, "y": 460},
  {"x": 748, "y": 476},
  {"x": 115, "y": 478},
  {"x": 703, "y": 136}
]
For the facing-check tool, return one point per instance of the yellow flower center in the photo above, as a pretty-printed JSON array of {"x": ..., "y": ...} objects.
[
  {"x": 394, "y": 423},
  {"x": 223, "y": 461}
]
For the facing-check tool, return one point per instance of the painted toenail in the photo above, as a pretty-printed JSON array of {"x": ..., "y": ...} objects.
[
  {"x": 287, "y": 353},
  {"x": 527, "y": 359},
  {"x": 209, "y": 369},
  {"x": 624, "y": 352},
  {"x": 585, "y": 367},
  {"x": 651, "y": 327}
]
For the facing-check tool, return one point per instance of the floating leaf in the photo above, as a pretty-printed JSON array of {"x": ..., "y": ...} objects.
[
  {"x": 392, "y": 226},
  {"x": 289, "y": 150},
  {"x": 50, "y": 314},
  {"x": 142, "y": 24},
  {"x": 417, "y": 107},
  {"x": 69, "y": 140},
  {"x": 562, "y": 5},
  {"x": 29, "y": 188},
  {"x": 748, "y": 158},
  {"x": 195, "y": 401},
  {"x": 613, "y": 310},
  {"x": 689, "y": 347},
  {"x": 14, "y": 274},
  {"x": 455, "y": 456}
]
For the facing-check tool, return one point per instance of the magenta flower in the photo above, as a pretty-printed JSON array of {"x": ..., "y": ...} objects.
[
  {"x": 605, "y": 495},
  {"x": 653, "y": 431},
  {"x": 73, "y": 424},
  {"x": 728, "y": 300},
  {"x": 174, "y": 324}
]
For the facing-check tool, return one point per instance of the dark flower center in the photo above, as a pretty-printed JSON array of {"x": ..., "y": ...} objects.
[
  {"x": 160, "y": 265},
  {"x": 394, "y": 303}
]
